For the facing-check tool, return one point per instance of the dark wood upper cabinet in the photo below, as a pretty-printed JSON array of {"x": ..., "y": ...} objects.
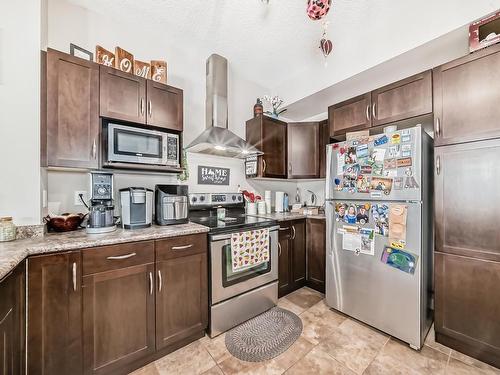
[
  {"x": 270, "y": 136},
  {"x": 284, "y": 260},
  {"x": 467, "y": 97},
  {"x": 118, "y": 307},
  {"x": 70, "y": 107},
  {"x": 292, "y": 256},
  {"x": 467, "y": 193},
  {"x": 12, "y": 323},
  {"x": 316, "y": 253},
  {"x": 351, "y": 115},
  {"x": 55, "y": 314},
  {"x": 164, "y": 106},
  {"x": 467, "y": 305},
  {"x": 303, "y": 150},
  {"x": 298, "y": 253},
  {"x": 182, "y": 289},
  {"x": 122, "y": 95},
  {"x": 410, "y": 97},
  {"x": 324, "y": 139}
]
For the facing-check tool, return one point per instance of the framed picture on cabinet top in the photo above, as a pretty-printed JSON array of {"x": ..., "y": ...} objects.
[{"x": 77, "y": 51}]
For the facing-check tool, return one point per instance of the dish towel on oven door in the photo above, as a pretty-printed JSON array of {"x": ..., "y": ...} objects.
[{"x": 249, "y": 248}]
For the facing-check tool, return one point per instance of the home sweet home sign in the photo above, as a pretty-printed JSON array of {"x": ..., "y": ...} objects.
[{"x": 213, "y": 175}]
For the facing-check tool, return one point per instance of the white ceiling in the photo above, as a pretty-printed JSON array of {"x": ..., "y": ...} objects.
[{"x": 276, "y": 45}]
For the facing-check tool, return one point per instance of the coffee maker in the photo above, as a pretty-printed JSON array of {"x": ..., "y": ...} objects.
[
  {"x": 101, "y": 208},
  {"x": 137, "y": 207}
]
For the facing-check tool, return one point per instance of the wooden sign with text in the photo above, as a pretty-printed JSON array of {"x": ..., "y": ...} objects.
[
  {"x": 159, "y": 71},
  {"x": 124, "y": 60},
  {"x": 104, "y": 57},
  {"x": 142, "y": 69}
]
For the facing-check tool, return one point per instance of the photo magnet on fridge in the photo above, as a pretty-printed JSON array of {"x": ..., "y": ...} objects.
[
  {"x": 380, "y": 214},
  {"x": 362, "y": 151},
  {"x": 340, "y": 210},
  {"x": 363, "y": 184},
  {"x": 381, "y": 184},
  {"x": 363, "y": 215},
  {"x": 351, "y": 214},
  {"x": 399, "y": 259},
  {"x": 350, "y": 156}
]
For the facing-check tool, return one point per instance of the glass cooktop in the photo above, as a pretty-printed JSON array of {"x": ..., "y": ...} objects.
[{"x": 232, "y": 222}]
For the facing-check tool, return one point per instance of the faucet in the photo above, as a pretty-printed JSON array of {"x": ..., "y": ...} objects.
[{"x": 313, "y": 197}]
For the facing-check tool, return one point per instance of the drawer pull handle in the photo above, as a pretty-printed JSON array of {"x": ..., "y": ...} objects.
[
  {"x": 279, "y": 249},
  {"x": 284, "y": 228},
  {"x": 74, "y": 276},
  {"x": 294, "y": 233},
  {"x": 120, "y": 257},
  {"x": 182, "y": 247},
  {"x": 160, "y": 281}
]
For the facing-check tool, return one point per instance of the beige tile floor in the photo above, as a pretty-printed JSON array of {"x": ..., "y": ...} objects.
[{"x": 330, "y": 344}]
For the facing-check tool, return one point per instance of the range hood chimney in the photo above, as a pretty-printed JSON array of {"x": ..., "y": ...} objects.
[{"x": 217, "y": 139}]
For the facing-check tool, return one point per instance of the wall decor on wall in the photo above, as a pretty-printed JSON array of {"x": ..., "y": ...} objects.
[
  {"x": 104, "y": 57},
  {"x": 317, "y": 10},
  {"x": 213, "y": 175},
  {"x": 124, "y": 60},
  {"x": 142, "y": 69},
  {"x": 159, "y": 71},
  {"x": 80, "y": 52}
]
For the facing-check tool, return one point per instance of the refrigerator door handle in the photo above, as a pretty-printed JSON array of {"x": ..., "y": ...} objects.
[{"x": 329, "y": 155}]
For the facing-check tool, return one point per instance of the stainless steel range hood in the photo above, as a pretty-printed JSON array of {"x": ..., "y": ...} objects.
[{"x": 217, "y": 139}]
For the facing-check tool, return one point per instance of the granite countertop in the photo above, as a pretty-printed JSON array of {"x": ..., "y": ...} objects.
[
  {"x": 283, "y": 216},
  {"x": 13, "y": 253}
]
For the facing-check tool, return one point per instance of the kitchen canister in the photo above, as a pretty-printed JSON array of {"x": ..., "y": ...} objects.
[
  {"x": 279, "y": 201},
  {"x": 267, "y": 198},
  {"x": 251, "y": 208},
  {"x": 261, "y": 207},
  {"x": 7, "y": 229}
]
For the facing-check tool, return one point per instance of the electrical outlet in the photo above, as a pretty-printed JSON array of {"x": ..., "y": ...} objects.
[{"x": 78, "y": 201}]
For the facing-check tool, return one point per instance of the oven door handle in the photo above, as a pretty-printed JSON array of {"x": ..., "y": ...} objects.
[{"x": 227, "y": 236}]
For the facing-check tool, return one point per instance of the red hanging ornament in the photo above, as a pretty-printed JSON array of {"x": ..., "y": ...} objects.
[
  {"x": 317, "y": 9},
  {"x": 326, "y": 46}
]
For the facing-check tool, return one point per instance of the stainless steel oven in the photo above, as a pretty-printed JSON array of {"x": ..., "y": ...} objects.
[
  {"x": 241, "y": 295},
  {"x": 131, "y": 144}
]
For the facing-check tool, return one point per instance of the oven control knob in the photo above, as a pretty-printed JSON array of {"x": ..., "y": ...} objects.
[
  {"x": 202, "y": 198},
  {"x": 234, "y": 197},
  {"x": 194, "y": 199},
  {"x": 239, "y": 198}
]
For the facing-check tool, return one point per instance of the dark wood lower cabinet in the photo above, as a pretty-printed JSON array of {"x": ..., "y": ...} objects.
[
  {"x": 12, "y": 323},
  {"x": 467, "y": 307},
  {"x": 182, "y": 293},
  {"x": 292, "y": 256},
  {"x": 316, "y": 253},
  {"x": 118, "y": 317},
  {"x": 54, "y": 314}
]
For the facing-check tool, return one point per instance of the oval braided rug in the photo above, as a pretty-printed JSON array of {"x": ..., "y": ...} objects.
[{"x": 265, "y": 336}]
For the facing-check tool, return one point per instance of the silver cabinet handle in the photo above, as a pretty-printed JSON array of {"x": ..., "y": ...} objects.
[
  {"x": 94, "y": 149},
  {"x": 438, "y": 127},
  {"x": 182, "y": 247},
  {"x": 74, "y": 276},
  {"x": 142, "y": 106},
  {"x": 263, "y": 165},
  {"x": 290, "y": 168},
  {"x": 284, "y": 228},
  {"x": 438, "y": 165},
  {"x": 160, "y": 281},
  {"x": 368, "y": 112},
  {"x": 119, "y": 257},
  {"x": 294, "y": 233},
  {"x": 374, "y": 111},
  {"x": 150, "y": 108},
  {"x": 151, "y": 283},
  {"x": 279, "y": 249}
]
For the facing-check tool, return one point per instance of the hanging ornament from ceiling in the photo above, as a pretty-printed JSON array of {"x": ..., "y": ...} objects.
[
  {"x": 317, "y": 9},
  {"x": 325, "y": 44}
]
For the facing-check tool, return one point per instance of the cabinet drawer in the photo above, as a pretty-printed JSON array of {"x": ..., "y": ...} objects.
[
  {"x": 181, "y": 246},
  {"x": 107, "y": 258}
]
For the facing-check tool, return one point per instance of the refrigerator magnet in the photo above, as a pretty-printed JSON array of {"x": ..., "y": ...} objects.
[
  {"x": 399, "y": 259},
  {"x": 404, "y": 162},
  {"x": 395, "y": 139},
  {"x": 363, "y": 184},
  {"x": 350, "y": 157},
  {"x": 362, "y": 151},
  {"x": 398, "y": 183},
  {"x": 362, "y": 216},
  {"x": 381, "y": 184},
  {"x": 367, "y": 241},
  {"x": 380, "y": 214},
  {"x": 406, "y": 136},
  {"x": 381, "y": 141},
  {"x": 405, "y": 151},
  {"x": 394, "y": 151}
]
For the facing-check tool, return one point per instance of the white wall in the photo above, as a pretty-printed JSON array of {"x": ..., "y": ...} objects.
[{"x": 20, "y": 39}]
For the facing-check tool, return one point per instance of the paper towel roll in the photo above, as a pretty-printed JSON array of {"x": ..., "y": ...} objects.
[{"x": 278, "y": 204}]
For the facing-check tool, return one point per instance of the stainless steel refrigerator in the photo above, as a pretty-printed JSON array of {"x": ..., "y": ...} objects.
[{"x": 378, "y": 273}]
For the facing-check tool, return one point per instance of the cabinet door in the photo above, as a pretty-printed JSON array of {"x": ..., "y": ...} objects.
[
  {"x": 466, "y": 199},
  {"x": 352, "y": 115},
  {"x": 72, "y": 123},
  {"x": 182, "y": 298},
  {"x": 122, "y": 95},
  {"x": 54, "y": 314},
  {"x": 165, "y": 106},
  {"x": 118, "y": 318},
  {"x": 324, "y": 139},
  {"x": 274, "y": 146},
  {"x": 303, "y": 150},
  {"x": 298, "y": 240},
  {"x": 285, "y": 259},
  {"x": 316, "y": 253},
  {"x": 467, "y": 306},
  {"x": 407, "y": 98},
  {"x": 467, "y": 97}
]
